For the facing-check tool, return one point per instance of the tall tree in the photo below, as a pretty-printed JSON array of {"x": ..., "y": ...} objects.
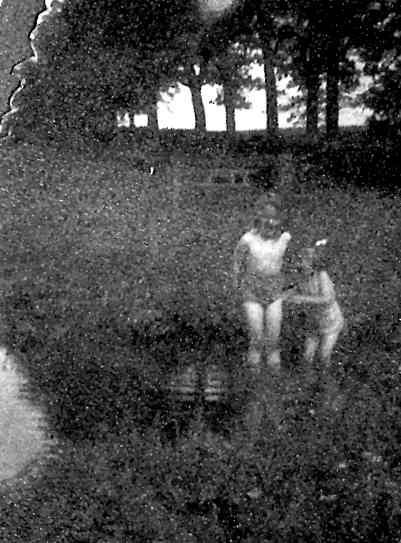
[
  {"x": 327, "y": 30},
  {"x": 381, "y": 51},
  {"x": 195, "y": 80},
  {"x": 230, "y": 68},
  {"x": 260, "y": 24},
  {"x": 153, "y": 122},
  {"x": 93, "y": 26},
  {"x": 266, "y": 23},
  {"x": 332, "y": 86},
  {"x": 341, "y": 25},
  {"x": 312, "y": 61},
  {"x": 185, "y": 65},
  {"x": 305, "y": 53},
  {"x": 210, "y": 54}
]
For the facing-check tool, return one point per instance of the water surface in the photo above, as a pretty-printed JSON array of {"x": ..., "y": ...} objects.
[{"x": 23, "y": 435}]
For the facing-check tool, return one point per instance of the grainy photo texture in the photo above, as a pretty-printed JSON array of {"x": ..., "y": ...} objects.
[{"x": 200, "y": 323}]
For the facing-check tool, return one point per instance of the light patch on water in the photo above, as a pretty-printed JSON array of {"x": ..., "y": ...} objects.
[{"x": 23, "y": 434}]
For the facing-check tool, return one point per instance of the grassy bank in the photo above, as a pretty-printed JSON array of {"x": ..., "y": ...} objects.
[
  {"x": 95, "y": 252},
  {"x": 108, "y": 273}
]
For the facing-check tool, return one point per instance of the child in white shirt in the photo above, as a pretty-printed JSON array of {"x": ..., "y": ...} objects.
[{"x": 258, "y": 260}]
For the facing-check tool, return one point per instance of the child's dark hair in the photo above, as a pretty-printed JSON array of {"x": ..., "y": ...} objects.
[
  {"x": 267, "y": 215},
  {"x": 268, "y": 208},
  {"x": 270, "y": 198}
]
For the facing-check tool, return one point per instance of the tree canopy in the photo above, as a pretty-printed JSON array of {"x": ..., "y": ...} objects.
[{"x": 97, "y": 56}]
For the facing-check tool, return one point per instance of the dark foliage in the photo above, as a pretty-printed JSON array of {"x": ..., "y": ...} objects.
[
  {"x": 127, "y": 24},
  {"x": 94, "y": 58}
]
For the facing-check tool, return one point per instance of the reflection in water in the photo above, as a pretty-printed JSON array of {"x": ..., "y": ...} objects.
[{"x": 22, "y": 424}]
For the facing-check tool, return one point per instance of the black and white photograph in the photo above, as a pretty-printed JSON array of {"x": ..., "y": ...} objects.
[{"x": 200, "y": 271}]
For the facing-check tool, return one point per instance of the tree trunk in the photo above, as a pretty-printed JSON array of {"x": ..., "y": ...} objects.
[
  {"x": 195, "y": 85},
  {"x": 153, "y": 123},
  {"x": 312, "y": 103},
  {"x": 17, "y": 20},
  {"x": 270, "y": 86},
  {"x": 332, "y": 91},
  {"x": 230, "y": 109}
]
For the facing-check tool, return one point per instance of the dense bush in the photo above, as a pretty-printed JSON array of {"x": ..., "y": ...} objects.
[
  {"x": 359, "y": 160},
  {"x": 359, "y": 156}
]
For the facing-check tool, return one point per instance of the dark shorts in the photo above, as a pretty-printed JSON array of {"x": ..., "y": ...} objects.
[{"x": 263, "y": 290}]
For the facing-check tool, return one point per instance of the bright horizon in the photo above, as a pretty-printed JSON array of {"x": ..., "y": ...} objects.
[{"x": 177, "y": 111}]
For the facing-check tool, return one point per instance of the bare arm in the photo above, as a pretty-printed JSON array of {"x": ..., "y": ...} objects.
[
  {"x": 240, "y": 256},
  {"x": 304, "y": 299},
  {"x": 285, "y": 238},
  {"x": 327, "y": 293}
]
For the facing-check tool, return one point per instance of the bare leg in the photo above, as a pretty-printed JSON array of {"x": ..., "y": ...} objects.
[
  {"x": 254, "y": 316},
  {"x": 311, "y": 347},
  {"x": 253, "y": 415},
  {"x": 327, "y": 344},
  {"x": 273, "y": 318}
]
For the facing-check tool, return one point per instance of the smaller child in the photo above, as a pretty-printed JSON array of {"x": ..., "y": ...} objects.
[{"x": 326, "y": 319}]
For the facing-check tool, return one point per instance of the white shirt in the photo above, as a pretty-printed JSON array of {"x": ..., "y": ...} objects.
[{"x": 265, "y": 255}]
